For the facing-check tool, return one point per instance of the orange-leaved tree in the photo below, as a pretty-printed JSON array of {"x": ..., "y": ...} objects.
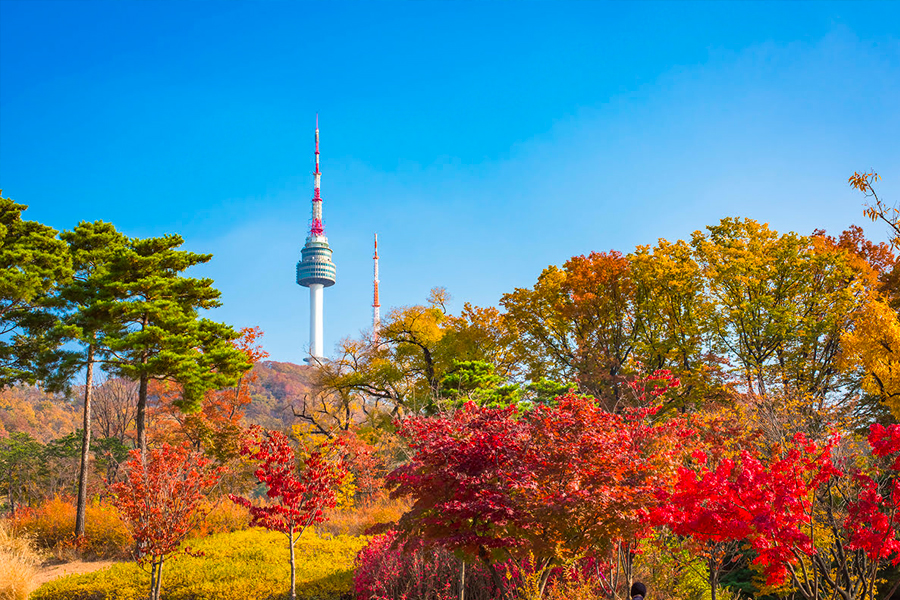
[
  {"x": 299, "y": 499},
  {"x": 160, "y": 502}
]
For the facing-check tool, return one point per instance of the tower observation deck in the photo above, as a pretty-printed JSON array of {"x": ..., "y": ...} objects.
[{"x": 315, "y": 270}]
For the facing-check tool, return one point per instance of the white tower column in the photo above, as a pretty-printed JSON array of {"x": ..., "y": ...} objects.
[{"x": 316, "y": 320}]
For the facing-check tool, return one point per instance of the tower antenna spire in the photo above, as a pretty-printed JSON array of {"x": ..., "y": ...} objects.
[
  {"x": 316, "y": 227},
  {"x": 376, "y": 305}
]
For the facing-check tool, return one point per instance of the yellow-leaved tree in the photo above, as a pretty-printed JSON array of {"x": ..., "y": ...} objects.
[{"x": 874, "y": 345}]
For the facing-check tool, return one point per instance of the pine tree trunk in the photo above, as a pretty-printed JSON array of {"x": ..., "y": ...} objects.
[
  {"x": 85, "y": 445},
  {"x": 140, "y": 420}
]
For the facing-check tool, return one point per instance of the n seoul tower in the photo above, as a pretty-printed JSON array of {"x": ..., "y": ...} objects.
[{"x": 315, "y": 269}]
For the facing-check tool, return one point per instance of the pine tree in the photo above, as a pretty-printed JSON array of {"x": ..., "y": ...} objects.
[
  {"x": 88, "y": 304},
  {"x": 164, "y": 337},
  {"x": 32, "y": 262}
]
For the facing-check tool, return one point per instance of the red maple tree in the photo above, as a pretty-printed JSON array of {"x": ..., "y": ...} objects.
[
  {"x": 459, "y": 479},
  {"x": 298, "y": 498},
  {"x": 160, "y": 501},
  {"x": 762, "y": 499},
  {"x": 548, "y": 486},
  {"x": 873, "y": 512}
]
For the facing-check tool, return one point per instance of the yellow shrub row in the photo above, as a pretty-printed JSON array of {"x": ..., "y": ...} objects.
[{"x": 243, "y": 565}]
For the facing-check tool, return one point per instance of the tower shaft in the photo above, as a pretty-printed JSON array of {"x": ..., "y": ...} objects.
[{"x": 316, "y": 319}]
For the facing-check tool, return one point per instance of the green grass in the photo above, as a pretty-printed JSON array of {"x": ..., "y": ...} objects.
[{"x": 244, "y": 565}]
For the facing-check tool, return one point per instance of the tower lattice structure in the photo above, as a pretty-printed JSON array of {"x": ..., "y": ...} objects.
[
  {"x": 376, "y": 305},
  {"x": 315, "y": 270}
]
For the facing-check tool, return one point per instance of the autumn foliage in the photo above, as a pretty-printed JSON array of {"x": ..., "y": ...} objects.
[
  {"x": 160, "y": 500},
  {"x": 296, "y": 499},
  {"x": 217, "y": 424},
  {"x": 549, "y": 486},
  {"x": 761, "y": 499}
]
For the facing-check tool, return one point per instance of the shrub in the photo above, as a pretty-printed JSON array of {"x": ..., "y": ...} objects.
[
  {"x": 105, "y": 535},
  {"x": 386, "y": 570},
  {"x": 223, "y": 516},
  {"x": 52, "y": 526},
  {"x": 244, "y": 565},
  {"x": 18, "y": 565},
  {"x": 669, "y": 569},
  {"x": 413, "y": 570},
  {"x": 360, "y": 520}
]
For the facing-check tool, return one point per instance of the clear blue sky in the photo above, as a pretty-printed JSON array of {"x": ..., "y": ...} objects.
[{"x": 483, "y": 141}]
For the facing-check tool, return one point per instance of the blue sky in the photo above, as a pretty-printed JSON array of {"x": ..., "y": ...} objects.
[{"x": 483, "y": 141}]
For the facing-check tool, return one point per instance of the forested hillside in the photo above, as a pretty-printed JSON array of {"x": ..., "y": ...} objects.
[
  {"x": 278, "y": 387},
  {"x": 275, "y": 389},
  {"x": 43, "y": 416}
]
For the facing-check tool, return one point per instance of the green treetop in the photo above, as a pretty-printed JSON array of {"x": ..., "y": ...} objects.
[
  {"x": 32, "y": 262},
  {"x": 163, "y": 336}
]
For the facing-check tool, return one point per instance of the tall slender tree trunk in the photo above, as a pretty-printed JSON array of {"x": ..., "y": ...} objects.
[
  {"x": 713, "y": 578},
  {"x": 462, "y": 581},
  {"x": 627, "y": 565},
  {"x": 85, "y": 444},
  {"x": 140, "y": 420},
  {"x": 293, "y": 569},
  {"x": 159, "y": 578},
  {"x": 153, "y": 580}
]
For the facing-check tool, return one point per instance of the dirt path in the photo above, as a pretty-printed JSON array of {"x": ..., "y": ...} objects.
[{"x": 50, "y": 572}]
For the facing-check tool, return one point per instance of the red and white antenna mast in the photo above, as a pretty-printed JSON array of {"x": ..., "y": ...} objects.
[
  {"x": 376, "y": 305},
  {"x": 316, "y": 227}
]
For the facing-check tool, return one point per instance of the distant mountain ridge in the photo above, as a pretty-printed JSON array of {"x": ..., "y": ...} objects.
[{"x": 45, "y": 416}]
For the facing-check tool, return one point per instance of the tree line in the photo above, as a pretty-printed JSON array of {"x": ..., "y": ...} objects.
[{"x": 739, "y": 309}]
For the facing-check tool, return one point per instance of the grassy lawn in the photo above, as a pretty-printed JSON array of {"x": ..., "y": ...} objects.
[{"x": 244, "y": 565}]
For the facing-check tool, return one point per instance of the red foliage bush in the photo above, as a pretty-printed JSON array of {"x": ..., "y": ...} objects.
[
  {"x": 393, "y": 569},
  {"x": 387, "y": 570}
]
